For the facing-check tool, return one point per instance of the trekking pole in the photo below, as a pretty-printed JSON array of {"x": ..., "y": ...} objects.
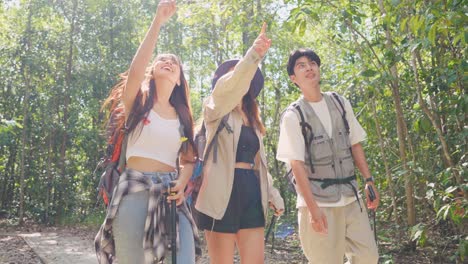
[
  {"x": 272, "y": 242},
  {"x": 372, "y": 197},
  {"x": 272, "y": 224},
  {"x": 173, "y": 213}
]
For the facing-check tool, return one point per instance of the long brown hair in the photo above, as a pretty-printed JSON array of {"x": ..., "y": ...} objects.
[
  {"x": 144, "y": 102},
  {"x": 250, "y": 108},
  {"x": 114, "y": 108}
]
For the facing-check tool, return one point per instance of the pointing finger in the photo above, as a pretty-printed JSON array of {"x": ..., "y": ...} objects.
[{"x": 263, "y": 28}]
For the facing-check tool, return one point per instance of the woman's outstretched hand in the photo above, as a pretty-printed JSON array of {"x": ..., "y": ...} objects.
[
  {"x": 166, "y": 8},
  {"x": 262, "y": 43}
]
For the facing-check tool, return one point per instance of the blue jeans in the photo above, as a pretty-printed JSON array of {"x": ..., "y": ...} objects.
[{"x": 129, "y": 224}]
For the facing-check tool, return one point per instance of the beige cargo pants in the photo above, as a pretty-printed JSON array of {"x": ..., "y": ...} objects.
[{"x": 349, "y": 233}]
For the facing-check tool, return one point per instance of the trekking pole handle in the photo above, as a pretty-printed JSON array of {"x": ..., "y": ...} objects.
[{"x": 372, "y": 195}]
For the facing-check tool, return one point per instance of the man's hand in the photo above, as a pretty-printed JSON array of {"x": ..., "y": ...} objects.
[
  {"x": 262, "y": 43},
  {"x": 318, "y": 220},
  {"x": 375, "y": 202},
  {"x": 166, "y": 8}
]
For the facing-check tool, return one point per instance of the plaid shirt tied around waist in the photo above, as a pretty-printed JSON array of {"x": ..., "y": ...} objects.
[{"x": 156, "y": 241}]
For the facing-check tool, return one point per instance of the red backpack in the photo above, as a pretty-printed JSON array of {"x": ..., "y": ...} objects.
[{"x": 114, "y": 160}]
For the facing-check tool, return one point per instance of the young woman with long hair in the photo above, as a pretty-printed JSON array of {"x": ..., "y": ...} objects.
[
  {"x": 236, "y": 190},
  {"x": 153, "y": 106}
]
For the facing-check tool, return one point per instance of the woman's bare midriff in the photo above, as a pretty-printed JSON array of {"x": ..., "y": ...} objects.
[{"x": 148, "y": 165}]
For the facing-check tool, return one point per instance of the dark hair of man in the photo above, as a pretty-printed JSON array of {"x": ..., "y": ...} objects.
[{"x": 295, "y": 55}]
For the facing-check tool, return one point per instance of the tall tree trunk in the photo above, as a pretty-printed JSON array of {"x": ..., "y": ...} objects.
[
  {"x": 433, "y": 117},
  {"x": 276, "y": 122},
  {"x": 50, "y": 176},
  {"x": 25, "y": 71},
  {"x": 247, "y": 34},
  {"x": 388, "y": 173},
  {"x": 24, "y": 143},
  {"x": 8, "y": 184},
  {"x": 111, "y": 31},
  {"x": 378, "y": 130},
  {"x": 63, "y": 201},
  {"x": 401, "y": 128}
]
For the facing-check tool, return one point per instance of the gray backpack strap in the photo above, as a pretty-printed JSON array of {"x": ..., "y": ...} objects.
[
  {"x": 307, "y": 141},
  {"x": 304, "y": 127},
  {"x": 214, "y": 143},
  {"x": 183, "y": 147},
  {"x": 123, "y": 147},
  {"x": 343, "y": 116},
  {"x": 123, "y": 153},
  {"x": 343, "y": 111}
]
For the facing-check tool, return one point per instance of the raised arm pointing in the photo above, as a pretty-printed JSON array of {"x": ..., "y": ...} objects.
[{"x": 136, "y": 74}]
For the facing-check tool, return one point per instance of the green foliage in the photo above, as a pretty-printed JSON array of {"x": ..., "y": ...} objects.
[
  {"x": 8, "y": 129},
  {"x": 92, "y": 220},
  {"x": 67, "y": 54},
  {"x": 449, "y": 205},
  {"x": 463, "y": 248},
  {"x": 418, "y": 234}
]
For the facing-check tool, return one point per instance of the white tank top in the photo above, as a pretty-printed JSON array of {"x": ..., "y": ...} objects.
[{"x": 160, "y": 139}]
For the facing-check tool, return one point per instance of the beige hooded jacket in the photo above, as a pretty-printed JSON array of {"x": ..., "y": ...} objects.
[{"x": 218, "y": 177}]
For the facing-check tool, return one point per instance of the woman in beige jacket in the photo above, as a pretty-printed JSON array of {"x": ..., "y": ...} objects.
[{"x": 237, "y": 189}]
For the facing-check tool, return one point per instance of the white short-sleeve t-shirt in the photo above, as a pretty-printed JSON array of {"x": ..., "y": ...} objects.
[{"x": 291, "y": 144}]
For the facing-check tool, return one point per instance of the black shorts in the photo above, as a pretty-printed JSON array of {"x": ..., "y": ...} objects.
[{"x": 244, "y": 208}]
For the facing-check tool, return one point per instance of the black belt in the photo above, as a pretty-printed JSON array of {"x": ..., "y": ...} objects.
[{"x": 329, "y": 182}]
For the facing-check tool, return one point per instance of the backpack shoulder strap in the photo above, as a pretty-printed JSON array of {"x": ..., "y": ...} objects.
[
  {"x": 340, "y": 100},
  {"x": 224, "y": 124},
  {"x": 304, "y": 127},
  {"x": 302, "y": 122},
  {"x": 123, "y": 152},
  {"x": 214, "y": 142},
  {"x": 343, "y": 110}
]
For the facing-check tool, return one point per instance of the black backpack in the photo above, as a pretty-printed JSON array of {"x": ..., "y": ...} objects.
[{"x": 305, "y": 127}]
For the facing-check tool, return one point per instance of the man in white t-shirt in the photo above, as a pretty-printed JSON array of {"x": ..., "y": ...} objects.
[{"x": 332, "y": 222}]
